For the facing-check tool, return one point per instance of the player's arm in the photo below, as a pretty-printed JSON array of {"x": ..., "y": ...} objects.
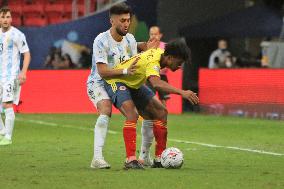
[
  {"x": 161, "y": 85},
  {"x": 151, "y": 43},
  {"x": 26, "y": 63},
  {"x": 106, "y": 72}
]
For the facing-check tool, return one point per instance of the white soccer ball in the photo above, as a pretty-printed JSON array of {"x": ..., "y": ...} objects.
[{"x": 172, "y": 158}]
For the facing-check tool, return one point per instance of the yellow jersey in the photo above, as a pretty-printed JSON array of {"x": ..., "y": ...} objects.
[{"x": 148, "y": 65}]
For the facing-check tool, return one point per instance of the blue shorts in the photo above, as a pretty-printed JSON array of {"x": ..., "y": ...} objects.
[{"x": 120, "y": 93}]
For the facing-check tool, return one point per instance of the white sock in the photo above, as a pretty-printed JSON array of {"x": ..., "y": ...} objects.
[
  {"x": 2, "y": 127},
  {"x": 147, "y": 138},
  {"x": 100, "y": 132},
  {"x": 9, "y": 122}
]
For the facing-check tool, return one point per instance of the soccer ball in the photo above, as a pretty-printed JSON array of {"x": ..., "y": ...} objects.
[{"x": 172, "y": 158}]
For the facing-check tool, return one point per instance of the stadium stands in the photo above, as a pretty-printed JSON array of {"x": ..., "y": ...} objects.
[{"x": 44, "y": 12}]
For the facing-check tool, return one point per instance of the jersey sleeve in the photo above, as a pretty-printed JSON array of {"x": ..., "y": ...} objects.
[
  {"x": 133, "y": 44},
  {"x": 99, "y": 52},
  {"x": 153, "y": 69},
  {"x": 22, "y": 44}
]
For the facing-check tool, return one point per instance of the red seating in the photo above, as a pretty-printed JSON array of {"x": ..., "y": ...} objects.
[
  {"x": 42, "y": 12},
  {"x": 39, "y": 8},
  {"x": 54, "y": 7},
  {"x": 16, "y": 13},
  {"x": 15, "y": 2},
  {"x": 17, "y": 21},
  {"x": 35, "y": 21},
  {"x": 57, "y": 20},
  {"x": 15, "y": 8}
]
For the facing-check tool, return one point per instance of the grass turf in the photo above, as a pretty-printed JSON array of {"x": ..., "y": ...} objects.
[{"x": 55, "y": 151}]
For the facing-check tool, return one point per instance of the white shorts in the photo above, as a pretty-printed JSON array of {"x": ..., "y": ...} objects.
[
  {"x": 96, "y": 92},
  {"x": 10, "y": 91}
]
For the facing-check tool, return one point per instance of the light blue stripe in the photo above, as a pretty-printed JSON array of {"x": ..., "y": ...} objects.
[
  {"x": 10, "y": 57},
  {"x": 129, "y": 45},
  {"x": 1, "y": 59}
]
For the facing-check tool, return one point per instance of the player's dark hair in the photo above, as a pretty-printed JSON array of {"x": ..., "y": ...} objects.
[
  {"x": 120, "y": 8},
  {"x": 4, "y": 10},
  {"x": 179, "y": 49}
]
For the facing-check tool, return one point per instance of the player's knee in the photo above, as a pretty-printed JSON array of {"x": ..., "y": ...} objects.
[
  {"x": 105, "y": 110},
  {"x": 132, "y": 116},
  {"x": 162, "y": 113},
  {"x": 7, "y": 105}
]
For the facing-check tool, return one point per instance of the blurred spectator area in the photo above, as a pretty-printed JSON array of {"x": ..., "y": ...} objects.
[{"x": 44, "y": 12}]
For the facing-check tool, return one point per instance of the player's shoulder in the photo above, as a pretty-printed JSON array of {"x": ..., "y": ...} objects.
[
  {"x": 101, "y": 37},
  {"x": 152, "y": 54},
  {"x": 155, "y": 52},
  {"x": 130, "y": 37},
  {"x": 17, "y": 31}
]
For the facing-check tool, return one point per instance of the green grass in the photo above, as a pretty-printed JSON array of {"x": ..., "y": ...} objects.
[{"x": 54, "y": 151}]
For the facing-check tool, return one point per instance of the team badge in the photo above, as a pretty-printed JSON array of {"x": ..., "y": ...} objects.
[{"x": 156, "y": 68}]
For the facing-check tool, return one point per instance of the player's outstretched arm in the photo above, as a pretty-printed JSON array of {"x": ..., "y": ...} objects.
[
  {"x": 161, "y": 85},
  {"x": 26, "y": 63}
]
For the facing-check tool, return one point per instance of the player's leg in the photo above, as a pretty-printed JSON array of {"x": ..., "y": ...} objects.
[
  {"x": 121, "y": 98},
  {"x": 147, "y": 137},
  {"x": 2, "y": 126},
  {"x": 9, "y": 123},
  {"x": 100, "y": 99},
  {"x": 152, "y": 108},
  {"x": 8, "y": 97},
  {"x": 158, "y": 112}
]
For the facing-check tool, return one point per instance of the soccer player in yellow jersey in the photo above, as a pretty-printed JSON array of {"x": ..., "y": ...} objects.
[{"x": 129, "y": 94}]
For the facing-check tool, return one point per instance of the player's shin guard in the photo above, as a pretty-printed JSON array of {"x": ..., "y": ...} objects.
[
  {"x": 9, "y": 122},
  {"x": 160, "y": 133},
  {"x": 129, "y": 135},
  {"x": 100, "y": 133},
  {"x": 147, "y": 138}
]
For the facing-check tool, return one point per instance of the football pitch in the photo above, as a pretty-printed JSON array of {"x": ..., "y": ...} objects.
[{"x": 55, "y": 151}]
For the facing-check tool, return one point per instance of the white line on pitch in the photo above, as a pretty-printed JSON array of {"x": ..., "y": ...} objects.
[
  {"x": 173, "y": 140},
  {"x": 61, "y": 125},
  {"x": 227, "y": 147}
]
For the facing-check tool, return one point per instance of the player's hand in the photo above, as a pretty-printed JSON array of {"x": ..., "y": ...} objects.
[
  {"x": 22, "y": 78},
  {"x": 190, "y": 96},
  {"x": 153, "y": 43},
  {"x": 132, "y": 68}
]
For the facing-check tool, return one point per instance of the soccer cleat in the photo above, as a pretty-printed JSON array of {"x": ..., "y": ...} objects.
[
  {"x": 99, "y": 164},
  {"x": 5, "y": 141},
  {"x": 134, "y": 164},
  {"x": 157, "y": 164},
  {"x": 148, "y": 162}
]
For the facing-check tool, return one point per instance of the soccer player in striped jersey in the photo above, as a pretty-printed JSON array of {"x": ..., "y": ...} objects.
[
  {"x": 109, "y": 49},
  {"x": 12, "y": 44},
  {"x": 129, "y": 93}
]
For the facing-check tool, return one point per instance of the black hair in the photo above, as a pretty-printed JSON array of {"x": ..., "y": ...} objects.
[
  {"x": 120, "y": 8},
  {"x": 179, "y": 49}
]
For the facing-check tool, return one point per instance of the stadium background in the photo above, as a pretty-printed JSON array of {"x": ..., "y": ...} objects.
[{"x": 244, "y": 23}]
